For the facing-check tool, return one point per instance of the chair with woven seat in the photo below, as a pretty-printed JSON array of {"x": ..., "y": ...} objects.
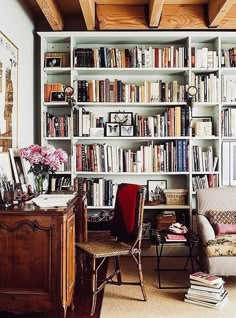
[{"x": 127, "y": 232}]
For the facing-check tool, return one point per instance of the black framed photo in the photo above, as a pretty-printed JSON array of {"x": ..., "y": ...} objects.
[
  {"x": 112, "y": 130},
  {"x": 127, "y": 131},
  {"x": 57, "y": 96},
  {"x": 53, "y": 62},
  {"x": 122, "y": 118},
  {"x": 202, "y": 125},
  {"x": 156, "y": 190}
]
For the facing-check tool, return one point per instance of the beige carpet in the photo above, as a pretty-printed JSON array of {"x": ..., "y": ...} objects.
[{"x": 126, "y": 301}]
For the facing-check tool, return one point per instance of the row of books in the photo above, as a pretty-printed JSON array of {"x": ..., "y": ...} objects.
[
  {"x": 205, "y": 181},
  {"x": 207, "y": 87},
  {"x": 59, "y": 183},
  {"x": 56, "y": 126},
  {"x": 228, "y": 57},
  {"x": 63, "y": 56},
  {"x": 206, "y": 290},
  {"x": 204, "y": 160},
  {"x": 52, "y": 87},
  {"x": 137, "y": 57},
  {"x": 228, "y": 84},
  {"x": 204, "y": 58},
  {"x": 228, "y": 122},
  {"x": 168, "y": 157},
  {"x": 118, "y": 91},
  {"x": 100, "y": 192},
  {"x": 174, "y": 121}
]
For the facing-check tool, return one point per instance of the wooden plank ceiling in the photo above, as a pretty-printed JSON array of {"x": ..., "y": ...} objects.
[{"x": 136, "y": 14}]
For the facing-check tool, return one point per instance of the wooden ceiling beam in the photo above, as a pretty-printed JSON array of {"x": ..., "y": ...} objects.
[
  {"x": 88, "y": 9},
  {"x": 217, "y": 10},
  {"x": 155, "y": 10},
  {"x": 52, "y": 14},
  {"x": 139, "y": 2},
  {"x": 121, "y": 17}
]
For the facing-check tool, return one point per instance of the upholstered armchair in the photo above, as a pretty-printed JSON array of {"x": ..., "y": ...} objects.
[{"x": 216, "y": 222}]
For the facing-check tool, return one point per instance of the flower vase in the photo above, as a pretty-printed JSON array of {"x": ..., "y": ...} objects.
[{"x": 39, "y": 180}]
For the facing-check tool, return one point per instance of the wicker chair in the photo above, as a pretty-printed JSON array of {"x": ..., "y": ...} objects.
[{"x": 127, "y": 228}]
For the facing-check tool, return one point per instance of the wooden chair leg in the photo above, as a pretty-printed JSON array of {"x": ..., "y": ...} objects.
[
  {"x": 140, "y": 273},
  {"x": 117, "y": 268},
  {"x": 94, "y": 286}
]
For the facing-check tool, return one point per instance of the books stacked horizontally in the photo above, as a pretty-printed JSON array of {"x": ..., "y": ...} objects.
[
  {"x": 175, "y": 238},
  {"x": 206, "y": 290}
]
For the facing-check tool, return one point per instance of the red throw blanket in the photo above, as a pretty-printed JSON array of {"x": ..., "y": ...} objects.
[{"x": 125, "y": 219}]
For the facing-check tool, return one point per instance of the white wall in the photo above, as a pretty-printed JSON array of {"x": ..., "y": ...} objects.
[{"x": 18, "y": 27}]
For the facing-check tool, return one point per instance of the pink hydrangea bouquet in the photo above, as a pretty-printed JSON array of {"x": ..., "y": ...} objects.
[{"x": 44, "y": 160}]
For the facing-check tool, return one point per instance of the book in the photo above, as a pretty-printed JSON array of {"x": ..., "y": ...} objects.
[
  {"x": 206, "y": 303},
  {"x": 206, "y": 278},
  {"x": 210, "y": 288},
  {"x": 206, "y": 295},
  {"x": 175, "y": 238},
  {"x": 215, "y": 286}
]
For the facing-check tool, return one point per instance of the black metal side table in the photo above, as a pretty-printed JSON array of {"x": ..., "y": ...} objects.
[{"x": 192, "y": 240}]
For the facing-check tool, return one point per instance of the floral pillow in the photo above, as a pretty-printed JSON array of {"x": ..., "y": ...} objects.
[{"x": 223, "y": 222}]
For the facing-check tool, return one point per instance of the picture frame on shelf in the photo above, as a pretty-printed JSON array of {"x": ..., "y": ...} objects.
[
  {"x": 53, "y": 61},
  {"x": 122, "y": 118},
  {"x": 5, "y": 167},
  {"x": 202, "y": 126},
  {"x": 127, "y": 131},
  {"x": 18, "y": 168},
  {"x": 57, "y": 96},
  {"x": 156, "y": 190},
  {"x": 112, "y": 130}
]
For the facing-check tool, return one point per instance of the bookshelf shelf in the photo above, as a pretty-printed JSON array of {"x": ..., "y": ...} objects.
[
  {"x": 57, "y": 104},
  {"x": 154, "y": 85},
  {"x": 204, "y": 70},
  {"x": 166, "y": 207},
  {"x": 138, "y": 104},
  {"x": 129, "y": 71},
  {"x": 131, "y": 173},
  {"x": 131, "y": 138},
  {"x": 206, "y": 138},
  {"x": 57, "y": 70}
]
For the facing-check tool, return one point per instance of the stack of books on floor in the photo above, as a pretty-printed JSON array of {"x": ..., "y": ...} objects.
[{"x": 206, "y": 290}]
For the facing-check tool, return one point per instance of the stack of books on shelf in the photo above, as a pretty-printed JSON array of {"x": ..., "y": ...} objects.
[
  {"x": 164, "y": 220},
  {"x": 206, "y": 290}
]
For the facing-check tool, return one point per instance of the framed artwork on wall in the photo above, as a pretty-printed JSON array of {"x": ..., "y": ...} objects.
[{"x": 8, "y": 93}]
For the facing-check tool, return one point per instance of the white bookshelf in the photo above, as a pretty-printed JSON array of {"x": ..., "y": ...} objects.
[{"x": 68, "y": 41}]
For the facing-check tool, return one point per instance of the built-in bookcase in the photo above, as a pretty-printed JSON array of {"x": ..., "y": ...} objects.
[{"x": 142, "y": 77}]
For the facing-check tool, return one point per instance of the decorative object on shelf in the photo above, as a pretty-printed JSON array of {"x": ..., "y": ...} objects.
[
  {"x": 44, "y": 160},
  {"x": 53, "y": 62},
  {"x": 178, "y": 228},
  {"x": 8, "y": 93},
  {"x": 175, "y": 196},
  {"x": 112, "y": 130},
  {"x": 202, "y": 126},
  {"x": 96, "y": 132},
  {"x": 57, "y": 96},
  {"x": 69, "y": 92},
  {"x": 122, "y": 118},
  {"x": 156, "y": 191},
  {"x": 126, "y": 131}
]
